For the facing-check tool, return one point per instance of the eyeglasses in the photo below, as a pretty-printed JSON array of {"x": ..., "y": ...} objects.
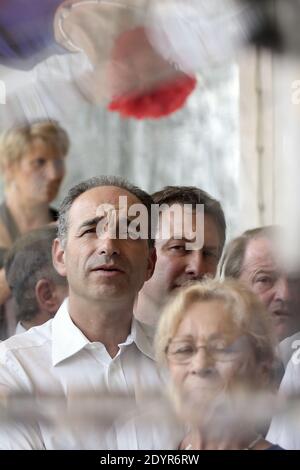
[{"x": 181, "y": 352}]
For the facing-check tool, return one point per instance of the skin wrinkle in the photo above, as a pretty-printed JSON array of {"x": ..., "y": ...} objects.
[{"x": 262, "y": 272}]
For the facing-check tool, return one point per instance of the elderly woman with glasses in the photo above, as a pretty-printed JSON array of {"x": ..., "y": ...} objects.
[{"x": 215, "y": 340}]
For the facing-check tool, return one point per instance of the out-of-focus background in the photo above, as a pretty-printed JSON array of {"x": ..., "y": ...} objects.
[
  {"x": 236, "y": 137},
  {"x": 199, "y": 145}
]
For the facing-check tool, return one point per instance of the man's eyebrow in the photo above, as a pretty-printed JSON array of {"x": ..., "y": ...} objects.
[
  {"x": 265, "y": 270},
  {"x": 262, "y": 269},
  {"x": 90, "y": 222}
]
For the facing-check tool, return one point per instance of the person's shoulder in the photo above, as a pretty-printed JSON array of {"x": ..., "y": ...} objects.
[{"x": 33, "y": 338}]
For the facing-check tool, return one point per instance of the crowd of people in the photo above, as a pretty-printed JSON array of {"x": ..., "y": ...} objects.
[{"x": 124, "y": 292}]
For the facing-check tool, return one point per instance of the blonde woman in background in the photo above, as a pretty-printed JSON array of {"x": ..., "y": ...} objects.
[
  {"x": 215, "y": 340},
  {"x": 32, "y": 162}
]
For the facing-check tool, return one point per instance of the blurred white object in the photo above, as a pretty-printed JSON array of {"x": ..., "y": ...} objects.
[
  {"x": 61, "y": 361},
  {"x": 286, "y": 348},
  {"x": 52, "y": 89},
  {"x": 285, "y": 428},
  {"x": 196, "y": 34}
]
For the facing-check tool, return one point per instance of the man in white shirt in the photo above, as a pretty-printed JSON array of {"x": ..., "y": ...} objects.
[
  {"x": 93, "y": 344},
  {"x": 188, "y": 246},
  {"x": 285, "y": 427},
  {"x": 254, "y": 258}
]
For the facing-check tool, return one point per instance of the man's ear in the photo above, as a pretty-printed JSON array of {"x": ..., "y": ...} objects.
[
  {"x": 44, "y": 294},
  {"x": 47, "y": 295},
  {"x": 151, "y": 263},
  {"x": 58, "y": 257}
]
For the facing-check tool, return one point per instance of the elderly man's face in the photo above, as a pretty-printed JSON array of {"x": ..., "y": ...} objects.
[
  {"x": 177, "y": 264},
  {"x": 106, "y": 268},
  {"x": 262, "y": 273}
]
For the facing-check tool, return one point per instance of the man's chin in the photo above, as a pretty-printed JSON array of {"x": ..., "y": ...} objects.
[{"x": 109, "y": 293}]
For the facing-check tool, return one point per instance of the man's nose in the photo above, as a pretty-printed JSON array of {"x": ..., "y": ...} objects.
[
  {"x": 108, "y": 245},
  {"x": 195, "y": 267},
  {"x": 282, "y": 289}
]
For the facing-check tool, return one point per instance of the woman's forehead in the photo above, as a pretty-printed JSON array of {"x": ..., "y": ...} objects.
[{"x": 208, "y": 318}]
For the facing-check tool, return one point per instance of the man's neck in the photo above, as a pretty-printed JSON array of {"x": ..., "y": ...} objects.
[
  {"x": 107, "y": 323},
  {"x": 147, "y": 309}
]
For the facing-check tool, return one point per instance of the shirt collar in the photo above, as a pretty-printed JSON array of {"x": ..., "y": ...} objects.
[
  {"x": 142, "y": 335},
  {"x": 68, "y": 339},
  {"x": 20, "y": 329}
]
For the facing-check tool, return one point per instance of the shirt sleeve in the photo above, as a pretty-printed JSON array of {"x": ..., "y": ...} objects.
[{"x": 26, "y": 32}]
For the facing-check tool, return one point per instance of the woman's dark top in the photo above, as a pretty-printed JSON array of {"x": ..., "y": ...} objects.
[{"x": 9, "y": 223}]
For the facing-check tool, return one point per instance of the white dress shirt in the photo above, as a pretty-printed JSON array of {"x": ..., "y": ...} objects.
[
  {"x": 57, "y": 358},
  {"x": 20, "y": 329},
  {"x": 285, "y": 428},
  {"x": 287, "y": 347}
]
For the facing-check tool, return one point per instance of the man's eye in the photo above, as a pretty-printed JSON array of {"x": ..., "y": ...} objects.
[
  {"x": 264, "y": 280},
  {"x": 90, "y": 230},
  {"x": 134, "y": 228},
  {"x": 179, "y": 248}
]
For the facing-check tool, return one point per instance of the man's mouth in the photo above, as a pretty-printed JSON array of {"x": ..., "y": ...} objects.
[
  {"x": 280, "y": 314},
  {"x": 108, "y": 269}
]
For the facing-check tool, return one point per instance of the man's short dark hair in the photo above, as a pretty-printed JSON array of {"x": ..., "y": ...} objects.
[
  {"x": 28, "y": 261},
  {"x": 98, "y": 182},
  {"x": 193, "y": 196},
  {"x": 234, "y": 254}
]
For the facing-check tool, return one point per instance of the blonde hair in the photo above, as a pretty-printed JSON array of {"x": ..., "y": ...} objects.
[
  {"x": 14, "y": 142},
  {"x": 248, "y": 313}
]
